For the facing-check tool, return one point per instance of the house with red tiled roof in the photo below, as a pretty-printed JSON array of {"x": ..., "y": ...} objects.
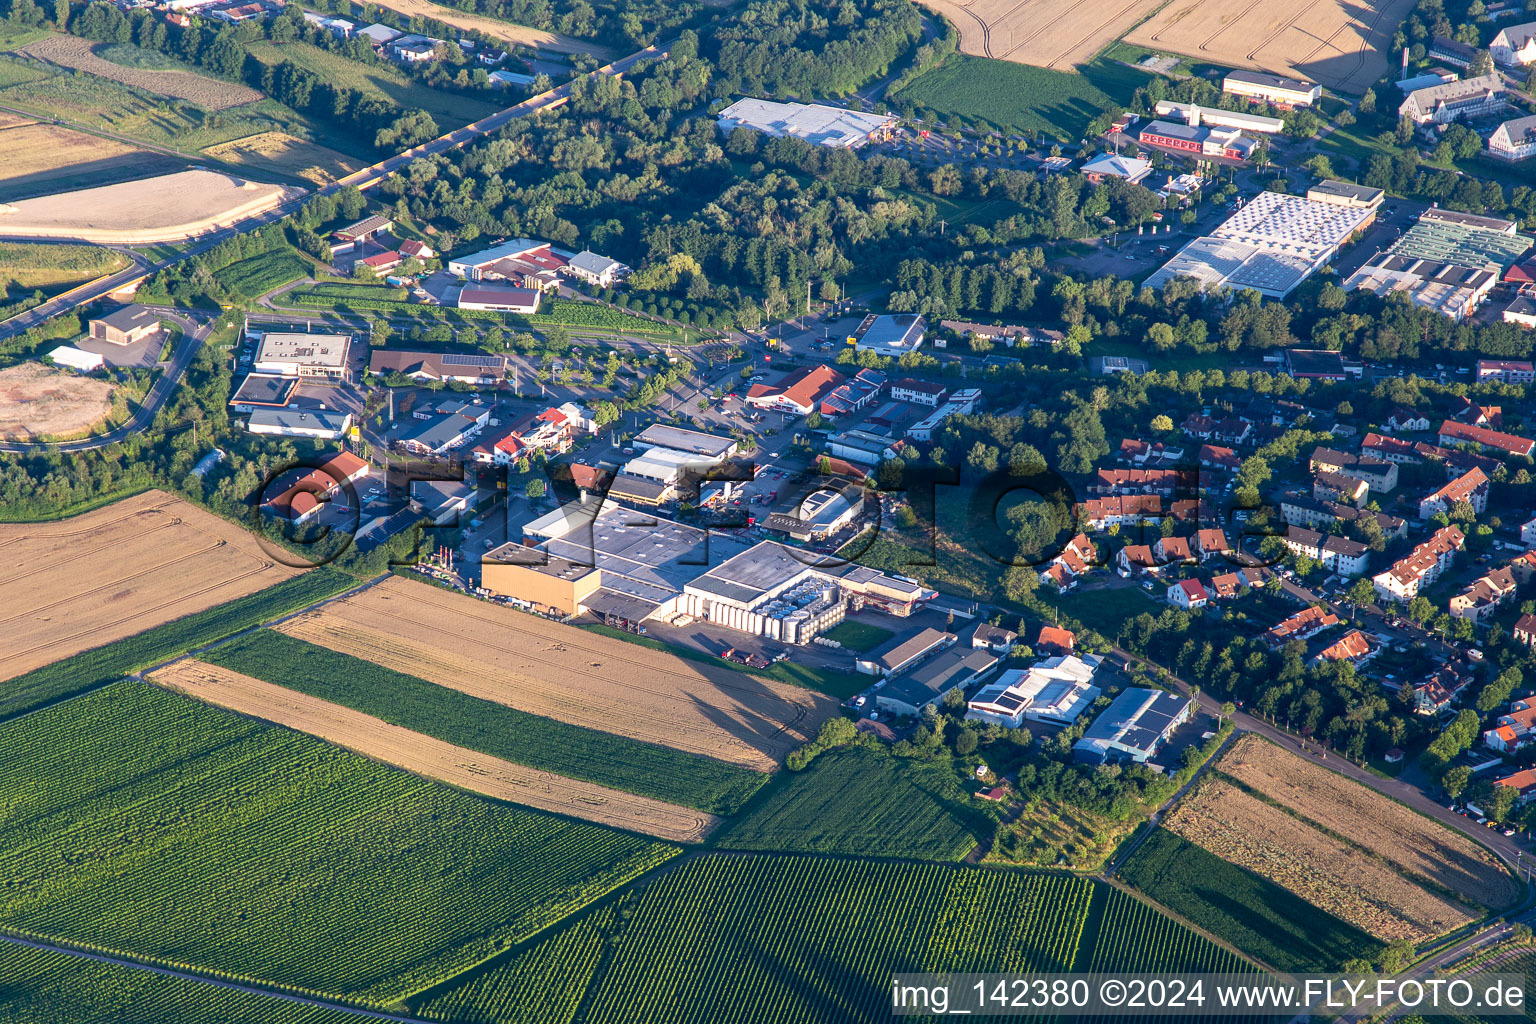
[
  {"x": 1522, "y": 782},
  {"x": 1173, "y": 550},
  {"x": 303, "y": 498},
  {"x": 1514, "y": 729},
  {"x": 1354, "y": 647},
  {"x": 382, "y": 262},
  {"x": 1525, "y": 630},
  {"x": 1471, "y": 487},
  {"x": 1120, "y": 510},
  {"x": 1453, "y": 433},
  {"x": 1188, "y": 594},
  {"x": 1216, "y": 457},
  {"x": 800, "y": 391},
  {"x": 1055, "y": 640},
  {"x": 1078, "y": 557},
  {"x": 1210, "y": 543},
  {"x": 1136, "y": 558},
  {"x": 1300, "y": 626}
]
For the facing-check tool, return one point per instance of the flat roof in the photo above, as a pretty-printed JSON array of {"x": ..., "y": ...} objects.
[
  {"x": 1137, "y": 719},
  {"x": 753, "y": 574},
  {"x": 304, "y": 349},
  {"x": 939, "y": 673},
  {"x": 1346, "y": 190},
  {"x": 681, "y": 439},
  {"x": 1269, "y": 81},
  {"x": 813, "y": 122},
  {"x": 264, "y": 389},
  {"x": 648, "y": 549},
  {"x": 309, "y": 419},
  {"x": 889, "y": 330}
]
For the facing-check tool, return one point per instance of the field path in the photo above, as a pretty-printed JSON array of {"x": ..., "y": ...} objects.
[
  {"x": 557, "y": 671},
  {"x": 424, "y": 755}
]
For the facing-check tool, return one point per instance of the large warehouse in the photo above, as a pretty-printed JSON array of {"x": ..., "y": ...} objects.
[
  {"x": 1271, "y": 245},
  {"x": 834, "y": 127}
]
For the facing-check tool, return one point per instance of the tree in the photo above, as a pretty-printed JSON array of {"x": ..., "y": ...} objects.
[
  {"x": 1455, "y": 780},
  {"x": 1482, "y": 64},
  {"x": 1362, "y": 592},
  {"x": 1162, "y": 423}
]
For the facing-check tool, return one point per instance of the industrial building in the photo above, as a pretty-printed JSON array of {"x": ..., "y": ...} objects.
[
  {"x": 1271, "y": 245},
  {"x": 961, "y": 403},
  {"x": 1447, "y": 288},
  {"x": 598, "y": 271},
  {"x": 822, "y": 125},
  {"x": 1134, "y": 726},
  {"x": 1054, "y": 691},
  {"x": 1276, "y": 89},
  {"x": 888, "y": 334},
  {"x": 457, "y": 367},
  {"x": 125, "y": 325},
  {"x": 263, "y": 391},
  {"x": 503, "y": 300},
  {"x": 1467, "y": 239},
  {"x": 1346, "y": 193},
  {"x": 323, "y": 356},
  {"x": 76, "y": 359},
  {"x": 1195, "y": 137},
  {"x": 681, "y": 439},
  {"x": 316, "y": 423},
  {"x": 800, "y": 391},
  {"x": 821, "y": 515},
  {"x": 1112, "y": 165},
  {"x": 1187, "y": 112},
  {"x": 306, "y": 494},
  {"x": 522, "y": 261},
  {"x": 933, "y": 679}
]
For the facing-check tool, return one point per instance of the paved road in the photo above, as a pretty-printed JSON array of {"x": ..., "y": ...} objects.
[
  {"x": 363, "y": 179},
  {"x": 193, "y": 334}
]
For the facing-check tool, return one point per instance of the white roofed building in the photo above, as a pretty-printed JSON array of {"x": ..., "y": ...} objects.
[
  {"x": 1055, "y": 691},
  {"x": 833, "y": 127}
]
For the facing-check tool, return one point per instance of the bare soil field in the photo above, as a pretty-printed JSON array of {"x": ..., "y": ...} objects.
[
  {"x": 169, "y": 208},
  {"x": 1046, "y": 33},
  {"x": 1336, "y": 44},
  {"x": 38, "y": 401},
  {"x": 138, "y": 563},
  {"x": 280, "y": 151},
  {"x": 35, "y": 153},
  {"x": 77, "y": 54},
  {"x": 1333, "y": 876},
  {"x": 424, "y": 755},
  {"x": 506, "y": 31},
  {"x": 557, "y": 671},
  {"x": 1386, "y": 828}
]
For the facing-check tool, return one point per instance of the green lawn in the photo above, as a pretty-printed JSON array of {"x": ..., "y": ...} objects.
[
  {"x": 258, "y": 275},
  {"x": 865, "y": 801},
  {"x": 381, "y": 81},
  {"x": 1106, "y": 608},
  {"x": 142, "y": 821},
  {"x": 491, "y": 728},
  {"x": 858, "y": 636},
  {"x": 1254, "y": 914},
  {"x": 1017, "y": 97}
]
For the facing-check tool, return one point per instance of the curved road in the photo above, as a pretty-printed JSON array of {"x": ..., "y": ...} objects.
[{"x": 193, "y": 335}]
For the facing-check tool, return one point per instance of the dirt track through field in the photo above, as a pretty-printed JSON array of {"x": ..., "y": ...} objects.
[
  {"x": 557, "y": 671},
  {"x": 1377, "y": 823},
  {"x": 434, "y": 758},
  {"x": 141, "y": 562}
]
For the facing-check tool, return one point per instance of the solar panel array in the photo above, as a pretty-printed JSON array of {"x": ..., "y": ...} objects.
[{"x": 462, "y": 359}]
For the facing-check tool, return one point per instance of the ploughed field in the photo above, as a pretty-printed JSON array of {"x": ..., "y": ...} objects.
[
  {"x": 99, "y": 577},
  {"x": 571, "y": 675}
]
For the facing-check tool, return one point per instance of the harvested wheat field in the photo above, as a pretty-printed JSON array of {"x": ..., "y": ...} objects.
[
  {"x": 133, "y": 565},
  {"x": 1336, "y": 44},
  {"x": 433, "y": 758},
  {"x": 280, "y": 151},
  {"x": 557, "y": 671},
  {"x": 1332, "y": 875},
  {"x": 77, "y": 54},
  {"x": 1045, "y": 33},
  {"x": 38, "y": 401},
  {"x": 32, "y": 148},
  {"x": 1374, "y": 822},
  {"x": 169, "y": 208},
  {"x": 505, "y": 31}
]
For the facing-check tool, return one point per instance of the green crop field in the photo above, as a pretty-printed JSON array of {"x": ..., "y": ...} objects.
[
  {"x": 858, "y": 636},
  {"x": 580, "y": 316},
  {"x": 542, "y": 985},
  {"x": 1252, "y": 913},
  {"x": 101, "y": 665},
  {"x": 1019, "y": 98},
  {"x": 458, "y": 718},
  {"x": 142, "y": 821},
  {"x": 258, "y": 275},
  {"x": 815, "y": 939},
  {"x": 44, "y": 265},
  {"x": 43, "y": 985},
  {"x": 864, "y": 800},
  {"x": 380, "y": 81}
]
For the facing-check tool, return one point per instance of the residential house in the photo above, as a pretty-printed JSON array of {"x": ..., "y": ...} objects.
[
  {"x": 1210, "y": 543},
  {"x": 1055, "y": 640},
  {"x": 1422, "y": 566},
  {"x": 1510, "y": 371},
  {"x": 1452, "y": 433},
  {"x": 1515, "y": 45},
  {"x": 1121, "y": 510},
  {"x": 1525, "y": 630},
  {"x": 1514, "y": 729},
  {"x": 1354, "y": 647},
  {"x": 1328, "y": 486},
  {"x": 1484, "y": 596},
  {"x": 992, "y": 638},
  {"x": 1379, "y": 474},
  {"x": 1471, "y": 487},
  {"x": 1337, "y": 554},
  {"x": 595, "y": 270},
  {"x": 1189, "y": 595},
  {"x": 1300, "y": 626},
  {"x": 1077, "y": 558},
  {"x": 1134, "y": 558},
  {"x": 1216, "y": 457},
  {"x": 1173, "y": 551},
  {"x": 1407, "y": 419}
]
